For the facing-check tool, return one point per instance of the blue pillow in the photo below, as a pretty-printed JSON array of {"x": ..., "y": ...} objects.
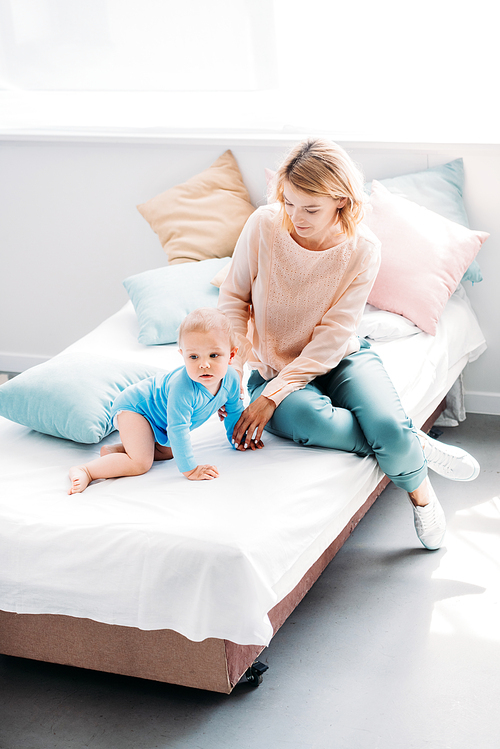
[
  {"x": 163, "y": 297},
  {"x": 440, "y": 189},
  {"x": 69, "y": 396}
]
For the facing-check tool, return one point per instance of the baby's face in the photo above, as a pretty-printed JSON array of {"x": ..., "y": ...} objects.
[{"x": 207, "y": 357}]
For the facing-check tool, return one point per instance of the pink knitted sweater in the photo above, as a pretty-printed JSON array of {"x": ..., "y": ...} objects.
[{"x": 295, "y": 311}]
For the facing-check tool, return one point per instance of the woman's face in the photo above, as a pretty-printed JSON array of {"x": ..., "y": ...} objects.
[{"x": 314, "y": 218}]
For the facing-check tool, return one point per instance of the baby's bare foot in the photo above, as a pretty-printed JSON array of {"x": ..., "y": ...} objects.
[
  {"x": 108, "y": 449},
  {"x": 80, "y": 479}
]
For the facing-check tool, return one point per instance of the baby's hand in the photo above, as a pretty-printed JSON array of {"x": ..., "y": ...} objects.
[{"x": 202, "y": 473}]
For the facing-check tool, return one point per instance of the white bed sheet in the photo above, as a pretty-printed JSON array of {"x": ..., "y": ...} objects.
[{"x": 206, "y": 559}]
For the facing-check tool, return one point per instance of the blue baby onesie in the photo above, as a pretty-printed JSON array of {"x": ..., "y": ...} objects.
[{"x": 174, "y": 405}]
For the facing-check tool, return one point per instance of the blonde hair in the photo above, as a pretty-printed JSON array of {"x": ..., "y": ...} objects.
[
  {"x": 204, "y": 320},
  {"x": 321, "y": 167}
]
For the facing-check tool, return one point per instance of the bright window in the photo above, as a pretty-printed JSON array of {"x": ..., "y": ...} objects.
[
  {"x": 137, "y": 45},
  {"x": 426, "y": 70}
]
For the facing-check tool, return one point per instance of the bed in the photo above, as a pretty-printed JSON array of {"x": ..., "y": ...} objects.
[
  {"x": 179, "y": 581},
  {"x": 187, "y": 582}
]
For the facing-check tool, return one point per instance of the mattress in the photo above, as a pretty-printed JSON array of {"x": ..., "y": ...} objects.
[{"x": 205, "y": 559}]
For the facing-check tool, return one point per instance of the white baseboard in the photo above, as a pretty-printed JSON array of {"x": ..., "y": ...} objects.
[
  {"x": 19, "y": 362},
  {"x": 482, "y": 403}
]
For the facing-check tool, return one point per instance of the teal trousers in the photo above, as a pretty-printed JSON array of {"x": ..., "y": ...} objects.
[{"x": 354, "y": 408}]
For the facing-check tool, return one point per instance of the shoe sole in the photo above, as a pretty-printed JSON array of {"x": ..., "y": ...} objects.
[
  {"x": 477, "y": 469},
  {"x": 432, "y": 548}
]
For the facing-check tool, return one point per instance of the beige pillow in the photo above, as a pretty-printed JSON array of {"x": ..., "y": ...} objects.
[{"x": 203, "y": 217}]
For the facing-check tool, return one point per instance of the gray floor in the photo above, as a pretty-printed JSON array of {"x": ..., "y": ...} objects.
[{"x": 394, "y": 647}]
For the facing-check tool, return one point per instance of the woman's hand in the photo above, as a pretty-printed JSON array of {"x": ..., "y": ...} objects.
[
  {"x": 248, "y": 430},
  {"x": 252, "y": 445},
  {"x": 202, "y": 473}
]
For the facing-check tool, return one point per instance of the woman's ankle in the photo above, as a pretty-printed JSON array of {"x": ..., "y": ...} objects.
[{"x": 422, "y": 495}]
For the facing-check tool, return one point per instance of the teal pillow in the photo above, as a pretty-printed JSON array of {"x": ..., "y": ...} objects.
[
  {"x": 440, "y": 189},
  {"x": 69, "y": 396},
  {"x": 163, "y": 297}
]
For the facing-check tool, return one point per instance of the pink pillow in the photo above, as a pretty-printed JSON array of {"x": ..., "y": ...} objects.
[{"x": 424, "y": 256}]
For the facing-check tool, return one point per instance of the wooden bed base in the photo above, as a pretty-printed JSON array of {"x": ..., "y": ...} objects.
[{"x": 161, "y": 655}]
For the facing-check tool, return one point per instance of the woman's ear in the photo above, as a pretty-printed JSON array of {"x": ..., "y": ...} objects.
[{"x": 342, "y": 203}]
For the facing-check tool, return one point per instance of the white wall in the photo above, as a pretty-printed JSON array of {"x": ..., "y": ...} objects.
[{"x": 70, "y": 232}]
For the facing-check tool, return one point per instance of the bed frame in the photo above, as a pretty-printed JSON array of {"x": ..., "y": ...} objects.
[{"x": 161, "y": 655}]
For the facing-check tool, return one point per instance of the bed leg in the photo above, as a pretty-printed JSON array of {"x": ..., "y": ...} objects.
[
  {"x": 435, "y": 433},
  {"x": 254, "y": 674}
]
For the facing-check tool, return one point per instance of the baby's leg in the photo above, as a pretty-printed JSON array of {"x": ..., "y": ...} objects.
[
  {"x": 108, "y": 449},
  {"x": 162, "y": 452},
  {"x": 136, "y": 458}
]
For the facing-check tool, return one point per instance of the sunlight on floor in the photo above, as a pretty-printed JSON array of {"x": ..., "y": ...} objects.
[{"x": 472, "y": 560}]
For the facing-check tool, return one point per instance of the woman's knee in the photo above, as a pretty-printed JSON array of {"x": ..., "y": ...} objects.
[
  {"x": 309, "y": 418},
  {"x": 399, "y": 453},
  {"x": 390, "y": 432}
]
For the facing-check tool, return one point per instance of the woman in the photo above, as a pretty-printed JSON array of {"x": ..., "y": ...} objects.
[{"x": 301, "y": 274}]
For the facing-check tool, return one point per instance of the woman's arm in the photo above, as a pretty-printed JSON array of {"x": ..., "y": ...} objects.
[{"x": 235, "y": 295}]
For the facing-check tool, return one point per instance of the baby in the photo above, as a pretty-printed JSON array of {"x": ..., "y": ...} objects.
[{"x": 154, "y": 416}]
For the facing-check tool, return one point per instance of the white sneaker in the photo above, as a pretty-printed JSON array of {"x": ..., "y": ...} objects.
[
  {"x": 430, "y": 523},
  {"x": 449, "y": 461}
]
